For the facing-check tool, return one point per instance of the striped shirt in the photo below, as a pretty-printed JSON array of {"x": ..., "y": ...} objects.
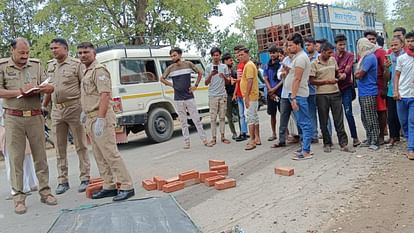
[{"x": 180, "y": 73}]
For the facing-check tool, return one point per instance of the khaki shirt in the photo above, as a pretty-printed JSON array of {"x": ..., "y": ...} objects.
[
  {"x": 325, "y": 72},
  {"x": 96, "y": 80},
  {"x": 67, "y": 78},
  {"x": 13, "y": 77}
]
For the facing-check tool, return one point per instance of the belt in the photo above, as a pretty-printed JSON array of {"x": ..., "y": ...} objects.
[
  {"x": 92, "y": 114},
  {"x": 21, "y": 113},
  {"x": 67, "y": 104}
]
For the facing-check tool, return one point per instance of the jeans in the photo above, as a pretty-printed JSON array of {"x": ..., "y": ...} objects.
[
  {"x": 347, "y": 103},
  {"x": 243, "y": 124},
  {"x": 393, "y": 121},
  {"x": 285, "y": 111},
  {"x": 304, "y": 122},
  {"x": 331, "y": 103},
  {"x": 405, "y": 108},
  {"x": 313, "y": 116}
]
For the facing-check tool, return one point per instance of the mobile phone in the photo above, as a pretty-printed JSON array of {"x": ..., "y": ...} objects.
[{"x": 215, "y": 68}]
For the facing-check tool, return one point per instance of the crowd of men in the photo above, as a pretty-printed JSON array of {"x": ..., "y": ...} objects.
[
  {"x": 310, "y": 82},
  {"x": 316, "y": 82}
]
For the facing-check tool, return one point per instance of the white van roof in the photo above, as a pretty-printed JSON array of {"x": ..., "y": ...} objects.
[{"x": 115, "y": 53}]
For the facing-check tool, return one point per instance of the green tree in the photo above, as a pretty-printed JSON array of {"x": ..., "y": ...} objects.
[{"x": 403, "y": 14}]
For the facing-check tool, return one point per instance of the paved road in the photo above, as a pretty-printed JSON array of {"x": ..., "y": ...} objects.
[{"x": 261, "y": 202}]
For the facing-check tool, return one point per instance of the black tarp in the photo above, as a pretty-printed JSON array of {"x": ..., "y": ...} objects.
[{"x": 150, "y": 215}]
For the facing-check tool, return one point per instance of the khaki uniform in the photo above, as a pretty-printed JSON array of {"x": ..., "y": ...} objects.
[
  {"x": 111, "y": 167},
  {"x": 30, "y": 125},
  {"x": 66, "y": 110}
]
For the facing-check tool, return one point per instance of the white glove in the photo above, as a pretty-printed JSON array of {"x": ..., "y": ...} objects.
[
  {"x": 99, "y": 127},
  {"x": 82, "y": 118}
]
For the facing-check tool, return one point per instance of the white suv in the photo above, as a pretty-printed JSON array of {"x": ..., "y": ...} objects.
[{"x": 141, "y": 101}]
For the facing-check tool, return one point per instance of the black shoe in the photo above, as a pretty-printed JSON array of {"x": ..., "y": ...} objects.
[
  {"x": 83, "y": 185},
  {"x": 124, "y": 194},
  {"x": 241, "y": 137},
  {"x": 105, "y": 193},
  {"x": 61, "y": 188}
]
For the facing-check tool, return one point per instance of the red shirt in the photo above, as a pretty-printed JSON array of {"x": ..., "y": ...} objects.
[
  {"x": 345, "y": 66},
  {"x": 240, "y": 68},
  {"x": 380, "y": 55}
]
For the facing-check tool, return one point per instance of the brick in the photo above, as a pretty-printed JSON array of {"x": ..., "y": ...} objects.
[
  {"x": 96, "y": 183},
  {"x": 149, "y": 185},
  {"x": 225, "y": 184},
  {"x": 93, "y": 189},
  {"x": 159, "y": 181},
  {"x": 213, "y": 163},
  {"x": 284, "y": 171},
  {"x": 204, "y": 175},
  {"x": 172, "y": 179},
  {"x": 221, "y": 169},
  {"x": 211, "y": 180},
  {"x": 172, "y": 187},
  {"x": 191, "y": 182},
  {"x": 189, "y": 175},
  {"x": 95, "y": 180}
]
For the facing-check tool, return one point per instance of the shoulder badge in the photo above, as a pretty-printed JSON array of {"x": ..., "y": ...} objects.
[
  {"x": 35, "y": 60},
  {"x": 4, "y": 60}
]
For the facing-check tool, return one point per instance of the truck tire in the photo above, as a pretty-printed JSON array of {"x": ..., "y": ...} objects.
[{"x": 160, "y": 126}]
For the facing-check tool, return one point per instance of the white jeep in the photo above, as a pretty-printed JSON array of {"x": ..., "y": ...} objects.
[{"x": 141, "y": 101}]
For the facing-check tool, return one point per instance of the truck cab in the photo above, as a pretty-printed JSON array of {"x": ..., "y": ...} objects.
[{"x": 140, "y": 100}]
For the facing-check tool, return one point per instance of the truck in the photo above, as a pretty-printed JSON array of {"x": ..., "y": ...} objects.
[
  {"x": 315, "y": 20},
  {"x": 141, "y": 102}
]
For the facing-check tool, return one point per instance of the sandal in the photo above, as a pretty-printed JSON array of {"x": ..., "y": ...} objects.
[
  {"x": 225, "y": 141},
  {"x": 272, "y": 138},
  {"x": 187, "y": 145},
  {"x": 250, "y": 147},
  {"x": 207, "y": 144},
  {"x": 277, "y": 145},
  {"x": 212, "y": 142}
]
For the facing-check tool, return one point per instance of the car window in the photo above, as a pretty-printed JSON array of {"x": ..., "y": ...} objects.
[
  {"x": 134, "y": 71},
  {"x": 198, "y": 63}
]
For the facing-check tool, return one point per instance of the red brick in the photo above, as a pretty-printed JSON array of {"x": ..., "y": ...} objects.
[
  {"x": 172, "y": 179},
  {"x": 93, "y": 189},
  {"x": 204, "y": 175},
  {"x": 225, "y": 184},
  {"x": 95, "y": 180},
  {"x": 172, "y": 187},
  {"x": 189, "y": 175},
  {"x": 213, "y": 163},
  {"x": 284, "y": 171},
  {"x": 149, "y": 185},
  {"x": 159, "y": 181},
  {"x": 211, "y": 180},
  {"x": 222, "y": 169}
]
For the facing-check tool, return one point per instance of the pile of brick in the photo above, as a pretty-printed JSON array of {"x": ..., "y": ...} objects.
[{"x": 215, "y": 176}]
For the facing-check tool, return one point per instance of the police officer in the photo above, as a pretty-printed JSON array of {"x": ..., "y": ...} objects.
[
  {"x": 66, "y": 74},
  {"x": 99, "y": 119},
  {"x": 21, "y": 82}
]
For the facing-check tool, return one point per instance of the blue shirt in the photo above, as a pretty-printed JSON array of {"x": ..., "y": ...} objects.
[
  {"x": 392, "y": 70},
  {"x": 271, "y": 73},
  {"x": 312, "y": 88},
  {"x": 367, "y": 85}
]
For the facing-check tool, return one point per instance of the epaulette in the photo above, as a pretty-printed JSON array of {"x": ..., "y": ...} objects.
[
  {"x": 35, "y": 60},
  {"x": 75, "y": 59},
  {"x": 4, "y": 60},
  {"x": 50, "y": 61}
]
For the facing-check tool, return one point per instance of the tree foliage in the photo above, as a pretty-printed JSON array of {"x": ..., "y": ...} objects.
[
  {"x": 107, "y": 21},
  {"x": 403, "y": 15}
]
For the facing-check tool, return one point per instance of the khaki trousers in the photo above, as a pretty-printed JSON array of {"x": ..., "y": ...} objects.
[
  {"x": 63, "y": 120},
  {"x": 108, "y": 159},
  {"x": 18, "y": 128},
  {"x": 218, "y": 107}
]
